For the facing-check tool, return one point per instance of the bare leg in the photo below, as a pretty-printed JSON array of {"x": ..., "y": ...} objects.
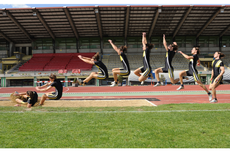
[
  {"x": 91, "y": 76},
  {"x": 44, "y": 97},
  {"x": 137, "y": 72},
  {"x": 181, "y": 74},
  {"x": 19, "y": 101},
  {"x": 115, "y": 73},
  {"x": 176, "y": 80},
  {"x": 202, "y": 86},
  {"x": 157, "y": 71},
  {"x": 142, "y": 78},
  {"x": 213, "y": 88}
]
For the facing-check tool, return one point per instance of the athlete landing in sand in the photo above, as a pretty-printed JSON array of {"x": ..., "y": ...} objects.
[{"x": 54, "y": 82}]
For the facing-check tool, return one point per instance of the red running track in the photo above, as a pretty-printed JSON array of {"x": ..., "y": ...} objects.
[
  {"x": 115, "y": 89},
  {"x": 164, "y": 99}
]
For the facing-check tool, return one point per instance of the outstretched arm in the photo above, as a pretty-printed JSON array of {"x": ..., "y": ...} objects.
[
  {"x": 19, "y": 94},
  {"x": 47, "y": 84},
  {"x": 86, "y": 60},
  {"x": 165, "y": 43},
  {"x": 144, "y": 41},
  {"x": 45, "y": 89},
  {"x": 186, "y": 56},
  {"x": 115, "y": 47}
]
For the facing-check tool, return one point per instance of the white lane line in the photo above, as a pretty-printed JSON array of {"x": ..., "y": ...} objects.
[
  {"x": 151, "y": 103},
  {"x": 67, "y": 90},
  {"x": 160, "y": 111}
]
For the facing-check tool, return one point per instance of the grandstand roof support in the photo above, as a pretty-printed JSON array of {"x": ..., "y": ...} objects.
[
  {"x": 5, "y": 37},
  {"x": 154, "y": 22},
  {"x": 127, "y": 20},
  {"x": 18, "y": 25},
  {"x": 225, "y": 31},
  {"x": 210, "y": 20},
  {"x": 182, "y": 21},
  {"x": 44, "y": 23},
  {"x": 220, "y": 44},
  {"x": 71, "y": 22},
  {"x": 97, "y": 12}
]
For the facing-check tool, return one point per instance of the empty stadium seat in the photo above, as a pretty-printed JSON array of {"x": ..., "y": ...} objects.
[{"x": 56, "y": 61}]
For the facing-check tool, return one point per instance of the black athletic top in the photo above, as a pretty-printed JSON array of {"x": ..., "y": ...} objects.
[
  {"x": 34, "y": 100},
  {"x": 124, "y": 61},
  {"x": 100, "y": 65},
  {"x": 193, "y": 62},
  {"x": 216, "y": 64},
  {"x": 169, "y": 57},
  {"x": 146, "y": 55},
  {"x": 58, "y": 86}
]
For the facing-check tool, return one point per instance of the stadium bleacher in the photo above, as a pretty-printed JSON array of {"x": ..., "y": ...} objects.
[
  {"x": 226, "y": 60},
  {"x": 56, "y": 61}
]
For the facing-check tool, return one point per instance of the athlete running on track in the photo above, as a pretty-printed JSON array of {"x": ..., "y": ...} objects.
[{"x": 217, "y": 74}]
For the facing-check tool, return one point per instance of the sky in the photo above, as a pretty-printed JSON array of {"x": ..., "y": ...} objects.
[{"x": 55, "y": 3}]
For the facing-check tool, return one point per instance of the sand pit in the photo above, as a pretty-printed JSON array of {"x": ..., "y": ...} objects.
[{"x": 90, "y": 103}]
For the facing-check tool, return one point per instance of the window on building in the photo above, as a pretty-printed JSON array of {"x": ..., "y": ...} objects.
[
  {"x": 226, "y": 41},
  {"x": 190, "y": 41},
  {"x": 30, "y": 51},
  {"x": 134, "y": 42},
  {"x": 181, "y": 41},
  {"x": 24, "y": 50},
  {"x": 157, "y": 41},
  {"x": 118, "y": 41},
  {"x": 213, "y": 41},
  {"x": 203, "y": 41}
]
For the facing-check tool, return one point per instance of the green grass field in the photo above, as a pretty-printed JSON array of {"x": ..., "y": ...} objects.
[{"x": 165, "y": 126}]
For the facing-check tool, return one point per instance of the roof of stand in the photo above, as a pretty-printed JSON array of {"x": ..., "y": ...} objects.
[{"x": 21, "y": 25}]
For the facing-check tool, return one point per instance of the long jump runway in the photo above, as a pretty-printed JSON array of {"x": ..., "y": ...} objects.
[{"x": 150, "y": 95}]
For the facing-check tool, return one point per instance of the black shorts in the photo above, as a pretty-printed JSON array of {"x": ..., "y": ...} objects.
[
  {"x": 169, "y": 70},
  {"x": 145, "y": 71},
  {"x": 34, "y": 100},
  {"x": 29, "y": 101},
  {"x": 102, "y": 76},
  {"x": 53, "y": 96},
  {"x": 220, "y": 81},
  {"x": 194, "y": 74},
  {"x": 124, "y": 72}
]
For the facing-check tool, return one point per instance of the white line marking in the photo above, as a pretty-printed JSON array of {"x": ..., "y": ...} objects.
[
  {"x": 151, "y": 103},
  {"x": 68, "y": 89},
  {"x": 162, "y": 111}
]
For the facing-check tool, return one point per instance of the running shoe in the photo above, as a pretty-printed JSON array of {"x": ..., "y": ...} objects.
[
  {"x": 181, "y": 87},
  {"x": 16, "y": 93},
  {"x": 113, "y": 82},
  {"x": 158, "y": 84},
  {"x": 113, "y": 85},
  {"x": 142, "y": 82},
  {"x": 214, "y": 101},
  {"x": 210, "y": 97},
  {"x": 79, "y": 81}
]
